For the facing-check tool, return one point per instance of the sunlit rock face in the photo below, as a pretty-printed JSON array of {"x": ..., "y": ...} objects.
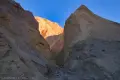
[
  {"x": 23, "y": 51},
  {"x": 52, "y": 32}
]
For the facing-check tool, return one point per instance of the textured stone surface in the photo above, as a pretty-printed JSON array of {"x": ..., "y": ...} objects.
[
  {"x": 94, "y": 59},
  {"x": 52, "y": 32},
  {"x": 23, "y": 51},
  {"x": 92, "y": 52},
  {"x": 84, "y": 24}
]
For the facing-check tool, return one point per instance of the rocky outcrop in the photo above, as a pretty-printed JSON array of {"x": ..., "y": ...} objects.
[
  {"x": 84, "y": 24},
  {"x": 92, "y": 50},
  {"x": 52, "y": 32},
  {"x": 23, "y": 51},
  {"x": 94, "y": 59}
]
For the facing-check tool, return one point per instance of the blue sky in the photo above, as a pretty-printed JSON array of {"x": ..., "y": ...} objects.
[{"x": 59, "y": 10}]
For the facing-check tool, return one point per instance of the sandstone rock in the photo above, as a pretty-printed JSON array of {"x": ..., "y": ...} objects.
[
  {"x": 52, "y": 32},
  {"x": 84, "y": 24},
  {"x": 92, "y": 50},
  {"x": 94, "y": 59},
  {"x": 23, "y": 51}
]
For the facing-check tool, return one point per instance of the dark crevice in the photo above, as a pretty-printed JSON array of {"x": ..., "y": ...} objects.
[
  {"x": 23, "y": 61},
  {"x": 41, "y": 44},
  {"x": 103, "y": 50}
]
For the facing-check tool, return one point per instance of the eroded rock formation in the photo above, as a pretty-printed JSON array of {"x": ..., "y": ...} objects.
[
  {"x": 23, "y": 51},
  {"x": 52, "y": 32},
  {"x": 91, "y": 52},
  {"x": 84, "y": 24}
]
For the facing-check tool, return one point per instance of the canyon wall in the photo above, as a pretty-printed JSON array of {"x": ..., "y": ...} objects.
[
  {"x": 91, "y": 51},
  {"x": 23, "y": 51}
]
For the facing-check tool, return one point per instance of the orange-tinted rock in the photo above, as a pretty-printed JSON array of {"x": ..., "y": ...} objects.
[{"x": 52, "y": 32}]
